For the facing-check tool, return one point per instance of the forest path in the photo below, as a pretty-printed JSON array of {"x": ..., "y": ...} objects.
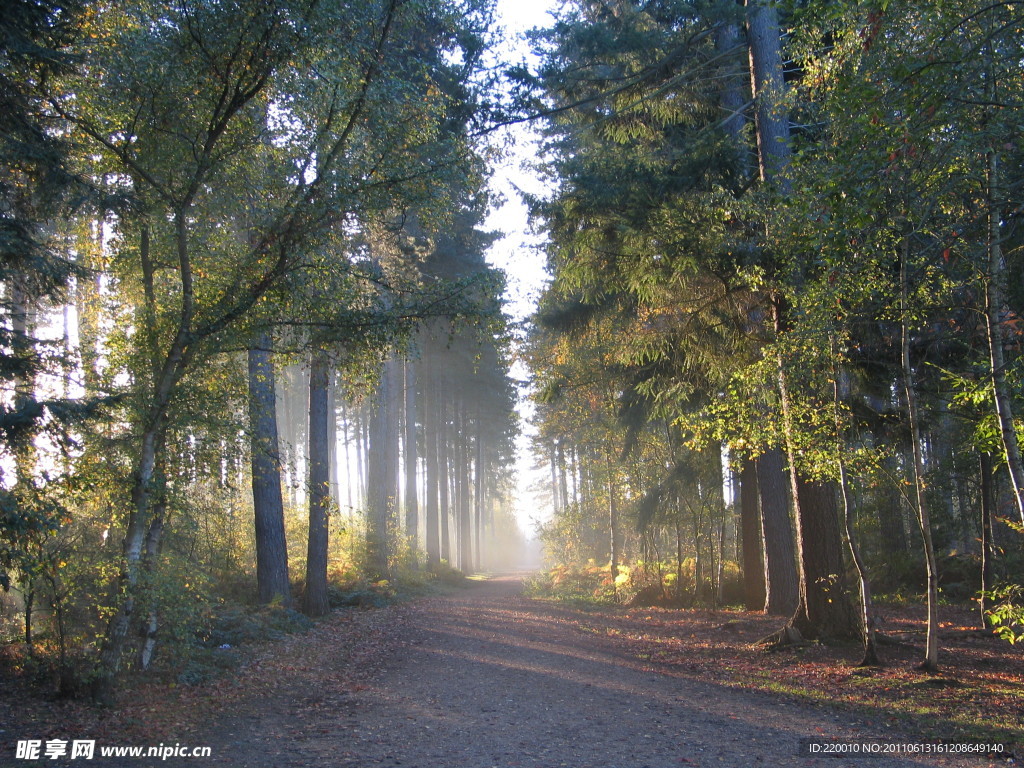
[{"x": 490, "y": 678}]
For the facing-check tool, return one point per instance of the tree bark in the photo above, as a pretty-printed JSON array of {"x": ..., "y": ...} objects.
[
  {"x": 444, "y": 477},
  {"x": 411, "y": 454},
  {"x": 931, "y": 659},
  {"x": 431, "y": 429},
  {"x": 314, "y": 596},
  {"x": 378, "y": 549},
  {"x": 824, "y": 609},
  {"x": 768, "y": 86},
  {"x": 613, "y": 526},
  {"x": 754, "y": 592},
  {"x": 272, "y": 583},
  {"x": 396, "y": 403},
  {"x": 479, "y": 486},
  {"x": 556, "y": 505},
  {"x": 867, "y": 613},
  {"x": 460, "y": 470},
  {"x": 782, "y": 584},
  {"x": 987, "y": 493}
]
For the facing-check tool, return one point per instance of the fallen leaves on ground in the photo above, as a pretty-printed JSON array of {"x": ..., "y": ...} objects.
[{"x": 977, "y": 694}]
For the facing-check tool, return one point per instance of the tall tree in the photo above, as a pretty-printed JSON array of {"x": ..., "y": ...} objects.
[
  {"x": 314, "y": 594},
  {"x": 272, "y": 582}
]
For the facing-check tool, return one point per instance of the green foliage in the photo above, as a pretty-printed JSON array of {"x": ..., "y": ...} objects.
[
  {"x": 1006, "y": 616},
  {"x": 573, "y": 581}
]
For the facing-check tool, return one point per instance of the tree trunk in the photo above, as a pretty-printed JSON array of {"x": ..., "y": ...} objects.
[
  {"x": 444, "y": 477},
  {"x": 154, "y": 538},
  {"x": 556, "y": 506},
  {"x": 754, "y": 592},
  {"x": 151, "y": 447},
  {"x": 460, "y": 471},
  {"x": 987, "y": 493},
  {"x": 824, "y": 609},
  {"x": 782, "y": 584},
  {"x": 478, "y": 493},
  {"x": 867, "y": 615},
  {"x": 378, "y": 550},
  {"x": 931, "y": 660},
  {"x": 334, "y": 468},
  {"x": 314, "y": 596},
  {"x": 563, "y": 485},
  {"x": 411, "y": 454},
  {"x": 272, "y": 583},
  {"x": 768, "y": 86},
  {"x": 613, "y": 526},
  {"x": 432, "y": 470},
  {"x": 396, "y": 402}
]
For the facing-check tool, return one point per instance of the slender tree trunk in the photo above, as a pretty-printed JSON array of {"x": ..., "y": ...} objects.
[
  {"x": 577, "y": 478},
  {"x": 412, "y": 512},
  {"x": 361, "y": 437},
  {"x": 396, "y": 402},
  {"x": 431, "y": 428},
  {"x": 679, "y": 556},
  {"x": 272, "y": 583},
  {"x": 444, "y": 476},
  {"x": 165, "y": 376},
  {"x": 332, "y": 441},
  {"x": 30, "y": 602},
  {"x": 563, "y": 485},
  {"x": 460, "y": 471},
  {"x": 613, "y": 526},
  {"x": 698, "y": 560},
  {"x": 867, "y": 614},
  {"x": 556, "y": 505},
  {"x": 931, "y": 660},
  {"x": 479, "y": 480},
  {"x": 346, "y": 420},
  {"x": 378, "y": 550},
  {"x": 987, "y": 493},
  {"x": 314, "y": 596}
]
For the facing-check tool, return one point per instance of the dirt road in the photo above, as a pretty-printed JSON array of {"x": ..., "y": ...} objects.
[{"x": 489, "y": 678}]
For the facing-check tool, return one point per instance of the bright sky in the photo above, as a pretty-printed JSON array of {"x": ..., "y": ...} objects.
[{"x": 519, "y": 252}]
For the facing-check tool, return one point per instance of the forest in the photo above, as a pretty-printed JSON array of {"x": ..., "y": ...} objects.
[
  {"x": 251, "y": 345},
  {"x": 779, "y": 359},
  {"x": 256, "y": 365}
]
